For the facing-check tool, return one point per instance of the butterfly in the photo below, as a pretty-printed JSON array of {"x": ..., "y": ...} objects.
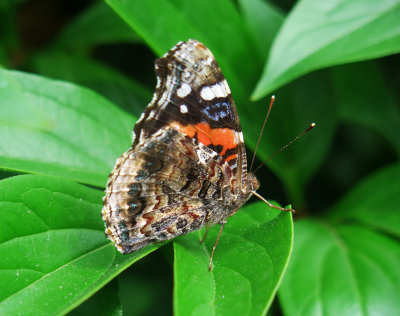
[{"x": 187, "y": 166}]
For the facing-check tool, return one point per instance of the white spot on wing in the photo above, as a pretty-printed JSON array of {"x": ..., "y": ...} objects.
[
  {"x": 218, "y": 90},
  {"x": 184, "y": 109},
  {"x": 206, "y": 93},
  {"x": 225, "y": 84},
  {"x": 184, "y": 90}
]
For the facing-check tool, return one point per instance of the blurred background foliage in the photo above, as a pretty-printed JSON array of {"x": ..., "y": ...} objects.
[{"x": 350, "y": 88}]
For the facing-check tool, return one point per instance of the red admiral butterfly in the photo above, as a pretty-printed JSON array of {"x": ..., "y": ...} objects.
[{"x": 187, "y": 166}]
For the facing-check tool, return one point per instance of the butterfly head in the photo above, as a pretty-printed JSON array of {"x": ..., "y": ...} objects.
[{"x": 252, "y": 182}]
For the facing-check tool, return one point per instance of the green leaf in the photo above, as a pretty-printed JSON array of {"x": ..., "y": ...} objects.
[
  {"x": 319, "y": 34},
  {"x": 128, "y": 94},
  {"x": 374, "y": 202},
  {"x": 86, "y": 31},
  {"x": 342, "y": 270},
  {"x": 52, "y": 244},
  {"x": 364, "y": 98},
  {"x": 263, "y": 20},
  {"x": 248, "y": 265},
  {"x": 56, "y": 128}
]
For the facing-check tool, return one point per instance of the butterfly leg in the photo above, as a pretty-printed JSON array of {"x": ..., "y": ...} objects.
[
  {"x": 271, "y": 205},
  {"x": 282, "y": 208},
  {"x": 215, "y": 245},
  {"x": 205, "y": 235}
]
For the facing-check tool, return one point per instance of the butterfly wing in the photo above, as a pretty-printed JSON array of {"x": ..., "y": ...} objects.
[
  {"x": 163, "y": 188},
  {"x": 187, "y": 161},
  {"x": 193, "y": 96}
]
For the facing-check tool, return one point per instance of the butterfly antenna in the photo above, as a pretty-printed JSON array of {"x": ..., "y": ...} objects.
[
  {"x": 310, "y": 127},
  {"x": 271, "y": 103}
]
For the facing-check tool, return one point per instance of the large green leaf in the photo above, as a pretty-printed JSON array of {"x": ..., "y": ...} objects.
[
  {"x": 127, "y": 93},
  {"x": 341, "y": 270},
  {"x": 364, "y": 98},
  {"x": 375, "y": 202},
  {"x": 97, "y": 25},
  {"x": 263, "y": 20},
  {"x": 318, "y": 34},
  {"x": 248, "y": 265},
  {"x": 56, "y": 128},
  {"x": 52, "y": 244}
]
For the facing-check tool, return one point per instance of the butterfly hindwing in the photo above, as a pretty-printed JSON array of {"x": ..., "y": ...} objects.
[{"x": 163, "y": 188}]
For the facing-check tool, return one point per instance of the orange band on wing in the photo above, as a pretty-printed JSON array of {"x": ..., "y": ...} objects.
[{"x": 206, "y": 135}]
